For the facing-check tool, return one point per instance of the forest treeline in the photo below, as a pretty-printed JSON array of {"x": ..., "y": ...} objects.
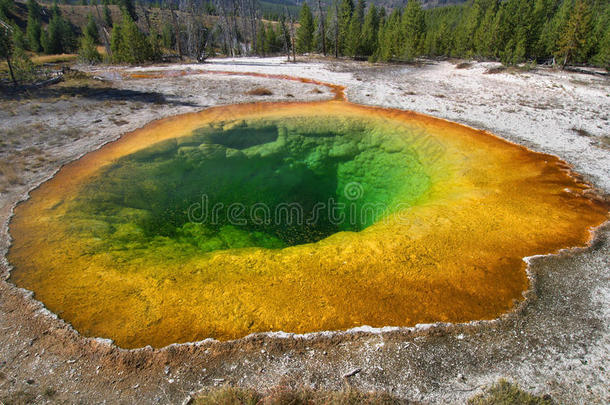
[{"x": 511, "y": 31}]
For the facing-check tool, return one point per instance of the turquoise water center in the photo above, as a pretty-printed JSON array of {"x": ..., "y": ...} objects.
[{"x": 268, "y": 184}]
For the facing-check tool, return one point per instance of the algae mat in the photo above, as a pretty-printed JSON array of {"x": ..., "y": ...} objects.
[{"x": 296, "y": 217}]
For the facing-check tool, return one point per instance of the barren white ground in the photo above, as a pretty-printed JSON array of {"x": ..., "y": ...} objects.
[{"x": 557, "y": 343}]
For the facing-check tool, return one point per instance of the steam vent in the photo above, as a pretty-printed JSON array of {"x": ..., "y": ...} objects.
[{"x": 298, "y": 217}]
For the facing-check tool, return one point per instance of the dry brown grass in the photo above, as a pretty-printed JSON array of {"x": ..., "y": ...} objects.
[
  {"x": 260, "y": 91},
  {"x": 500, "y": 393},
  {"x": 463, "y": 65},
  {"x": 506, "y": 393},
  {"x": 496, "y": 69},
  {"x": 10, "y": 172},
  {"x": 292, "y": 396},
  {"x": 61, "y": 58}
]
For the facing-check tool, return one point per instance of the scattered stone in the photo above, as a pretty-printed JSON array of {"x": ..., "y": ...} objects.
[{"x": 352, "y": 373}]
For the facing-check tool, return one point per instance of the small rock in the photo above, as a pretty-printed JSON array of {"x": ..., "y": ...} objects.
[
  {"x": 352, "y": 373},
  {"x": 166, "y": 370},
  {"x": 171, "y": 381},
  {"x": 29, "y": 381}
]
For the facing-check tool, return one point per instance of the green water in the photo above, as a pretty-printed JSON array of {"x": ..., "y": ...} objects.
[{"x": 268, "y": 184}]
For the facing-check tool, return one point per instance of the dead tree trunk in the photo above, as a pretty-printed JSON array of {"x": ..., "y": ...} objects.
[
  {"x": 104, "y": 32},
  {"x": 10, "y": 68},
  {"x": 176, "y": 28},
  {"x": 336, "y": 29},
  {"x": 286, "y": 38},
  {"x": 321, "y": 27},
  {"x": 292, "y": 39}
]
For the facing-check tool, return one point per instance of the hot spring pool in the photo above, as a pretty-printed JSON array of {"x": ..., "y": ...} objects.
[{"x": 298, "y": 217}]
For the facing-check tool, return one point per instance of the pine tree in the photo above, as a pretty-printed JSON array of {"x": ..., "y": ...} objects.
[
  {"x": 413, "y": 29},
  {"x": 156, "y": 47},
  {"x": 574, "y": 43},
  {"x": 23, "y": 67},
  {"x": 317, "y": 40},
  {"x": 53, "y": 44},
  {"x": 388, "y": 41},
  {"x": 271, "y": 40},
  {"x": 353, "y": 43},
  {"x": 91, "y": 29},
  {"x": 168, "y": 36},
  {"x": 483, "y": 39},
  {"x": 116, "y": 42},
  {"x": 466, "y": 30},
  {"x": 542, "y": 15},
  {"x": 332, "y": 28},
  {"x": 33, "y": 27},
  {"x": 370, "y": 30},
  {"x": 6, "y": 9},
  {"x": 260, "y": 39},
  {"x": 69, "y": 41},
  {"x": 600, "y": 49},
  {"x": 107, "y": 16},
  {"x": 603, "y": 56},
  {"x": 87, "y": 51},
  {"x": 320, "y": 35},
  {"x": 59, "y": 36},
  {"x": 19, "y": 40},
  {"x": 129, "y": 44},
  {"x": 304, "y": 34},
  {"x": 346, "y": 8},
  {"x": 128, "y": 6},
  {"x": 33, "y": 34},
  {"x": 6, "y": 49},
  {"x": 549, "y": 37}
]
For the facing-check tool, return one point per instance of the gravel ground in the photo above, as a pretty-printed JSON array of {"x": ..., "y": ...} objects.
[{"x": 556, "y": 342}]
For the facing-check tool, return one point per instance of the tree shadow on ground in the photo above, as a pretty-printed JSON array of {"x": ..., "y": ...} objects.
[{"x": 95, "y": 93}]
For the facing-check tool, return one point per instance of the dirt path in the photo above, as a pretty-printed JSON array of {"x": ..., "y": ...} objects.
[{"x": 556, "y": 343}]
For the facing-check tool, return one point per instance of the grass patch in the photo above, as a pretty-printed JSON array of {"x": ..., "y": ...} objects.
[
  {"x": 500, "y": 393},
  {"x": 495, "y": 70},
  {"x": 507, "y": 393},
  {"x": 292, "y": 396},
  {"x": 260, "y": 91},
  {"x": 463, "y": 65},
  {"x": 62, "y": 58}
]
